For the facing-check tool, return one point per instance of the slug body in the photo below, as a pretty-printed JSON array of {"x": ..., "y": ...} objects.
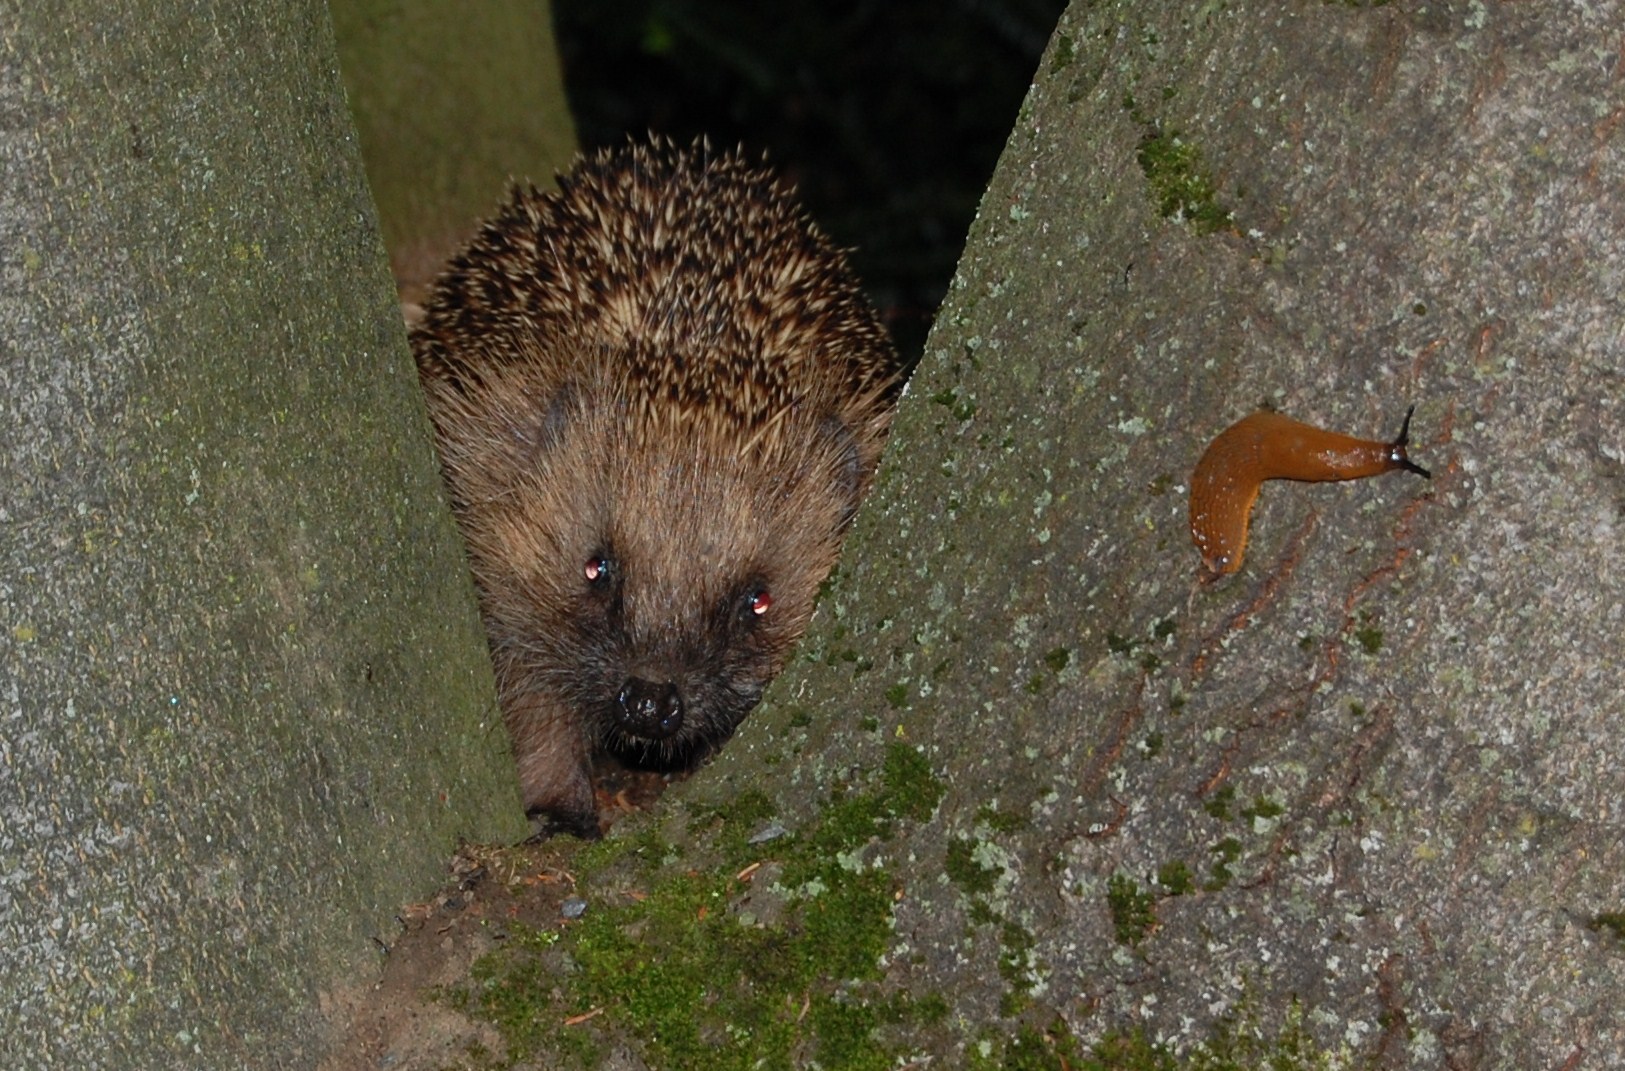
[{"x": 1269, "y": 446}]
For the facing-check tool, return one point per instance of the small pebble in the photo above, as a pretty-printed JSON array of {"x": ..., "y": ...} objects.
[
  {"x": 771, "y": 831},
  {"x": 573, "y": 908}
]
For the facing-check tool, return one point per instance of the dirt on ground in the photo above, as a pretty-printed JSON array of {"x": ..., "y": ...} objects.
[{"x": 406, "y": 1018}]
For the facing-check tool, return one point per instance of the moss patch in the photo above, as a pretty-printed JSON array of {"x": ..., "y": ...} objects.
[
  {"x": 1062, "y": 55},
  {"x": 1178, "y": 176},
  {"x": 1218, "y": 804},
  {"x": 1226, "y": 852},
  {"x": 961, "y": 409},
  {"x": 1237, "y": 1044},
  {"x": 1610, "y": 922},
  {"x": 1134, "y": 912},
  {"x": 1262, "y": 807},
  {"x": 725, "y": 965},
  {"x": 1180, "y": 182},
  {"x": 973, "y": 878},
  {"x": 704, "y": 987},
  {"x": 1176, "y": 877}
]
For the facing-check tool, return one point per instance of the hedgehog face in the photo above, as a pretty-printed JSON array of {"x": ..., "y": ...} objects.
[
  {"x": 675, "y": 578},
  {"x": 642, "y": 576}
]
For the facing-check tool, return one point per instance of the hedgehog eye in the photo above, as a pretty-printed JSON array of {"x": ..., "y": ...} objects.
[
  {"x": 758, "y": 601},
  {"x": 598, "y": 569}
]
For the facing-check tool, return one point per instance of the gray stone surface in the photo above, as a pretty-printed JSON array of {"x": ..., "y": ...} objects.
[
  {"x": 1369, "y": 790},
  {"x": 244, "y": 706}
]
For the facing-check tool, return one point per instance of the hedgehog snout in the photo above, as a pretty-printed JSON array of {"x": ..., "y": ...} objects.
[{"x": 652, "y": 710}]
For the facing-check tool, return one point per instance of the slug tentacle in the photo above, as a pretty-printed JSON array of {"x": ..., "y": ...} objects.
[
  {"x": 1269, "y": 446},
  {"x": 1396, "y": 449}
]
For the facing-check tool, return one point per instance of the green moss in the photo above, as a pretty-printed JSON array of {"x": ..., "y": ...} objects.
[
  {"x": 700, "y": 983},
  {"x": 1262, "y": 807},
  {"x": 1369, "y": 638},
  {"x": 1134, "y": 913},
  {"x": 1130, "y": 1051},
  {"x": 1126, "y": 646},
  {"x": 843, "y": 1031},
  {"x": 1000, "y": 821},
  {"x": 845, "y": 928},
  {"x": 1218, "y": 805},
  {"x": 908, "y": 790},
  {"x": 930, "y": 1009},
  {"x": 1176, "y": 877},
  {"x": 655, "y": 981},
  {"x": 1062, "y": 55},
  {"x": 839, "y": 656},
  {"x": 897, "y": 696},
  {"x": 1031, "y": 1049},
  {"x": 1016, "y": 955},
  {"x": 1610, "y": 922},
  {"x": 645, "y": 843},
  {"x": 949, "y": 399},
  {"x": 1228, "y": 851},
  {"x": 911, "y": 789},
  {"x": 1180, "y": 183},
  {"x": 847, "y": 823},
  {"x": 972, "y": 877},
  {"x": 1055, "y": 1049},
  {"x": 502, "y": 991},
  {"x": 1152, "y": 746},
  {"x": 735, "y": 822},
  {"x": 1238, "y": 1043},
  {"x": 748, "y": 808}
]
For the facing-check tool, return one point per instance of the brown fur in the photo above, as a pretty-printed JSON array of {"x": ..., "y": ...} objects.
[{"x": 665, "y": 370}]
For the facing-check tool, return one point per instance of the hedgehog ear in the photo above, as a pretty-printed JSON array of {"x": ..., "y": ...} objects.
[
  {"x": 546, "y": 425},
  {"x": 844, "y": 466}
]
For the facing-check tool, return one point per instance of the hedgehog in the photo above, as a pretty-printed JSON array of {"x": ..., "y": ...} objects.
[{"x": 659, "y": 396}]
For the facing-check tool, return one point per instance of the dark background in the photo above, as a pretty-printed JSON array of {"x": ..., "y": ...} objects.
[{"x": 889, "y": 117}]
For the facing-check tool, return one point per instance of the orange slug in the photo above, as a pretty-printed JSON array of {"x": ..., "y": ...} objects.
[{"x": 1269, "y": 446}]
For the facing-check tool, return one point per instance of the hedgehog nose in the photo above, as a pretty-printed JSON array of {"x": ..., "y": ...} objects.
[{"x": 649, "y": 709}]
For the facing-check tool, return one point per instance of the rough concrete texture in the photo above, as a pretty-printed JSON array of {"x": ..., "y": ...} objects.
[
  {"x": 245, "y": 710},
  {"x": 1369, "y": 790}
]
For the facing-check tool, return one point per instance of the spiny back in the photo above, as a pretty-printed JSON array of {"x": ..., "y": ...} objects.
[{"x": 694, "y": 272}]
